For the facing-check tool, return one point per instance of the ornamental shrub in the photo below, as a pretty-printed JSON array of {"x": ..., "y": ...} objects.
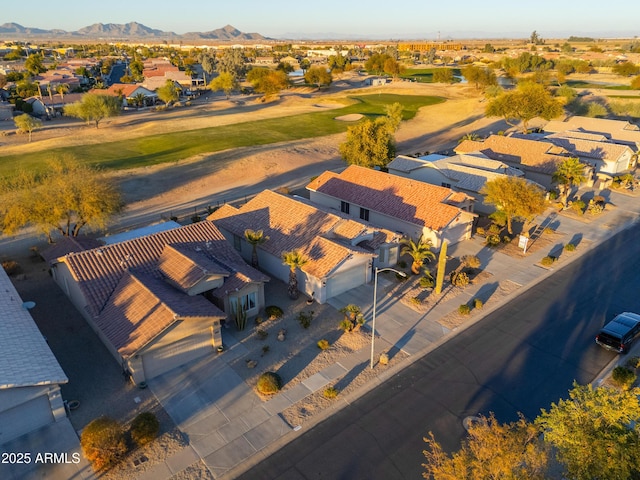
[
  {"x": 623, "y": 377},
  {"x": 273, "y": 312},
  {"x": 144, "y": 428},
  {"x": 547, "y": 261},
  {"x": 464, "y": 309},
  {"x": 323, "y": 344},
  {"x": 269, "y": 383},
  {"x": 330, "y": 392},
  {"x": 570, "y": 247},
  {"x": 477, "y": 303},
  {"x": 103, "y": 443}
]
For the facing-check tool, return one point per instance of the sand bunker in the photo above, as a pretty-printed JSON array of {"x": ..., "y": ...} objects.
[{"x": 353, "y": 117}]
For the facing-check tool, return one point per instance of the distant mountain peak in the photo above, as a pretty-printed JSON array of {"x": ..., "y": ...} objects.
[{"x": 131, "y": 30}]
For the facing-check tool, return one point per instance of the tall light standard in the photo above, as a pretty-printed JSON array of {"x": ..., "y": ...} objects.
[{"x": 375, "y": 301}]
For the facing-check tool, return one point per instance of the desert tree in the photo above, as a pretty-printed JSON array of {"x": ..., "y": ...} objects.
[
  {"x": 491, "y": 451},
  {"x": 65, "y": 197},
  {"x": 318, "y": 75},
  {"x": 34, "y": 64},
  {"x": 208, "y": 64},
  {"x": 225, "y": 82},
  {"x": 232, "y": 61},
  {"x": 294, "y": 260},
  {"x": 528, "y": 101},
  {"x": 25, "y": 123},
  {"x": 443, "y": 75},
  {"x": 516, "y": 197},
  {"x": 168, "y": 92},
  {"x": 371, "y": 143},
  {"x": 568, "y": 174},
  {"x": 268, "y": 82},
  {"x": 95, "y": 107},
  {"x": 595, "y": 432}
]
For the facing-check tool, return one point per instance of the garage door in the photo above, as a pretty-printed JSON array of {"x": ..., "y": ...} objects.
[
  {"x": 346, "y": 280},
  {"x": 157, "y": 362},
  {"x": 25, "y": 418}
]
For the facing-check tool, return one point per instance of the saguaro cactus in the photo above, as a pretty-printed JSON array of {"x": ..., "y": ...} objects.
[{"x": 442, "y": 263}]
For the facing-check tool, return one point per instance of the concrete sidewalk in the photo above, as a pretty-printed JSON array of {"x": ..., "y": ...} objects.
[{"x": 230, "y": 429}]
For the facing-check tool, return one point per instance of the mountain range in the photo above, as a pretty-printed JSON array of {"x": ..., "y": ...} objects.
[{"x": 131, "y": 30}]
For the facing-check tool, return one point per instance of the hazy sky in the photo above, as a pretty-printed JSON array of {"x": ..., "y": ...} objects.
[{"x": 275, "y": 18}]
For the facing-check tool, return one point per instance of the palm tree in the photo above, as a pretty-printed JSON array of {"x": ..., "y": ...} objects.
[
  {"x": 62, "y": 88},
  {"x": 419, "y": 251},
  {"x": 293, "y": 260},
  {"x": 139, "y": 99},
  {"x": 254, "y": 238},
  {"x": 569, "y": 173}
]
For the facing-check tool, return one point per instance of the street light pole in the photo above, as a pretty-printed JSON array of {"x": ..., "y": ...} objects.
[{"x": 375, "y": 302}]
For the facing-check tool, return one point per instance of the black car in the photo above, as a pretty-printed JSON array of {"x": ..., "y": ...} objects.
[{"x": 619, "y": 333}]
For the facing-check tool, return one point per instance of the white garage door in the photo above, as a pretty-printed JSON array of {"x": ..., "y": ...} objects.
[
  {"x": 346, "y": 280},
  {"x": 157, "y": 362},
  {"x": 25, "y": 418}
]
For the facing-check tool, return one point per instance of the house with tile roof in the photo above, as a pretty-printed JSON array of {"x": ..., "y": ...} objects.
[
  {"x": 409, "y": 207},
  {"x": 538, "y": 160},
  {"x": 129, "y": 92},
  {"x": 617, "y": 131},
  {"x": 340, "y": 251},
  {"x": 30, "y": 376},
  {"x": 604, "y": 157},
  {"x": 466, "y": 173},
  {"x": 157, "y": 301}
]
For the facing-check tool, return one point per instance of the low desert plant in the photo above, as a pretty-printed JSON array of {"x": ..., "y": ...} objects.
[
  {"x": 262, "y": 333},
  {"x": 548, "y": 230},
  {"x": 578, "y": 206},
  {"x": 269, "y": 383},
  {"x": 459, "y": 279},
  {"x": 633, "y": 362},
  {"x": 323, "y": 344},
  {"x": 330, "y": 392},
  {"x": 103, "y": 443},
  {"x": 623, "y": 377},
  {"x": 11, "y": 267},
  {"x": 480, "y": 231},
  {"x": 426, "y": 282},
  {"x": 547, "y": 261},
  {"x": 470, "y": 261},
  {"x": 569, "y": 247},
  {"x": 273, "y": 312},
  {"x": 416, "y": 300},
  {"x": 477, "y": 303},
  {"x": 506, "y": 239},
  {"x": 493, "y": 229},
  {"x": 144, "y": 428},
  {"x": 493, "y": 240},
  {"x": 464, "y": 309},
  {"x": 304, "y": 318},
  {"x": 553, "y": 195}
]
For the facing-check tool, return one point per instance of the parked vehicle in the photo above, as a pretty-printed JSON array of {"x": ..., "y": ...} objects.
[{"x": 619, "y": 333}]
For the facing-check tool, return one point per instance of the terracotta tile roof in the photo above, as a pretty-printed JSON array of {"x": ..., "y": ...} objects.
[
  {"x": 126, "y": 89},
  {"x": 142, "y": 306},
  {"x": 535, "y": 155},
  {"x": 323, "y": 238},
  {"x": 67, "y": 245},
  {"x": 409, "y": 200},
  {"x": 98, "y": 271},
  {"x": 185, "y": 267}
]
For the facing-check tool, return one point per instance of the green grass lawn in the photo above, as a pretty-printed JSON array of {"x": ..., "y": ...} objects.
[
  {"x": 171, "y": 147},
  {"x": 425, "y": 75},
  {"x": 583, "y": 84}
]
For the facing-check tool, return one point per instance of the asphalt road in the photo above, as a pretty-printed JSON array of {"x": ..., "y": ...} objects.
[{"x": 520, "y": 358}]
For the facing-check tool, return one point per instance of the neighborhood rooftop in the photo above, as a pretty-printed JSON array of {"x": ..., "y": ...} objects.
[
  {"x": 324, "y": 238},
  {"x": 25, "y": 358},
  {"x": 98, "y": 271},
  {"x": 416, "y": 202}
]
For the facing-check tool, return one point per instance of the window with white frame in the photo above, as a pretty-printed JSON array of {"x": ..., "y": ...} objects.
[{"x": 248, "y": 302}]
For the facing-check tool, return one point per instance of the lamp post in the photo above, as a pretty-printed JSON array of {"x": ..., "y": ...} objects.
[{"x": 375, "y": 301}]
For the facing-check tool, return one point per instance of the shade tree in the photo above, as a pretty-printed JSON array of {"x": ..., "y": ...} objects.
[{"x": 95, "y": 107}]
